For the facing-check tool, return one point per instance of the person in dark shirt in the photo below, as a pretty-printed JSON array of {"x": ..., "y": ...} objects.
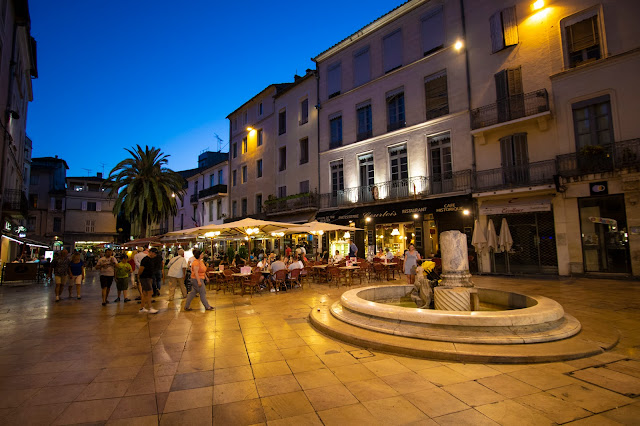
[
  {"x": 158, "y": 274},
  {"x": 145, "y": 274}
]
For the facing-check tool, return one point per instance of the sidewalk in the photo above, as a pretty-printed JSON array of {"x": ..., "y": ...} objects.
[{"x": 257, "y": 360}]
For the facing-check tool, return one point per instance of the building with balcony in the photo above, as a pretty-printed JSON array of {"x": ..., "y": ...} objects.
[
  {"x": 18, "y": 66},
  {"x": 395, "y": 151},
  {"x": 552, "y": 117}
]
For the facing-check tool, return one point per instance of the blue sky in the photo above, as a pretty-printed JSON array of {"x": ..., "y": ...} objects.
[{"x": 115, "y": 73}]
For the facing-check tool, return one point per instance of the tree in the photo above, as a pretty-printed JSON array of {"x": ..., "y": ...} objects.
[{"x": 145, "y": 190}]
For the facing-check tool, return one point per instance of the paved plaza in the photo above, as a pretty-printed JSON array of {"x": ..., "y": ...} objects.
[{"x": 258, "y": 361}]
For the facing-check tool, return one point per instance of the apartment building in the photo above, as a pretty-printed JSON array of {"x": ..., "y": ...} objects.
[
  {"x": 18, "y": 66},
  {"x": 395, "y": 151},
  {"x": 553, "y": 104}
]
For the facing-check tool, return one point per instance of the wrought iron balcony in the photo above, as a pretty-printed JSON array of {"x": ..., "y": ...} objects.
[
  {"x": 286, "y": 204},
  {"x": 511, "y": 108},
  {"x": 15, "y": 203},
  {"x": 538, "y": 173},
  {"x": 600, "y": 158},
  {"x": 213, "y": 190},
  {"x": 403, "y": 189}
]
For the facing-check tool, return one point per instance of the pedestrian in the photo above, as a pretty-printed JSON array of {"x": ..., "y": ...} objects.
[
  {"x": 410, "y": 262},
  {"x": 123, "y": 276},
  {"x": 287, "y": 251},
  {"x": 353, "y": 249},
  {"x": 107, "y": 267},
  {"x": 137, "y": 258},
  {"x": 60, "y": 269},
  {"x": 177, "y": 271},
  {"x": 145, "y": 275},
  {"x": 158, "y": 274},
  {"x": 76, "y": 274},
  {"x": 198, "y": 279}
]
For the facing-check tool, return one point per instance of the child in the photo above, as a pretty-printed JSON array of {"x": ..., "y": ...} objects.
[{"x": 123, "y": 276}]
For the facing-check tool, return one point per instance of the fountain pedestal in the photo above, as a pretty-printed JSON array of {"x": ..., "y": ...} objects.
[{"x": 455, "y": 292}]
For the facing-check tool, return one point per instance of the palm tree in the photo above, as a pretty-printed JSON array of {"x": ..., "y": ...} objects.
[{"x": 145, "y": 190}]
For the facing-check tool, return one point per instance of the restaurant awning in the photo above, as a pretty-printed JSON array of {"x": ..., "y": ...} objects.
[
  {"x": 516, "y": 205},
  {"x": 24, "y": 240}
]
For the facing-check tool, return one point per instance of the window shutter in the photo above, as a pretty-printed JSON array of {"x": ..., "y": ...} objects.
[
  {"x": 510, "y": 25},
  {"x": 432, "y": 31},
  {"x": 502, "y": 87},
  {"x": 52, "y": 203},
  {"x": 514, "y": 80},
  {"x": 497, "y": 38},
  {"x": 506, "y": 153},
  {"x": 520, "y": 151},
  {"x": 98, "y": 206},
  {"x": 583, "y": 34},
  {"x": 362, "y": 67},
  {"x": 333, "y": 80},
  {"x": 84, "y": 205},
  {"x": 392, "y": 46}
]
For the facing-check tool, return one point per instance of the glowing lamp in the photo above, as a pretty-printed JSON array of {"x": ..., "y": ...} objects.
[
  {"x": 465, "y": 212},
  {"x": 458, "y": 45},
  {"x": 395, "y": 232},
  {"x": 347, "y": 235},
  {"x": 368, "y": 219},
  {"x": 537, "y": 5}
]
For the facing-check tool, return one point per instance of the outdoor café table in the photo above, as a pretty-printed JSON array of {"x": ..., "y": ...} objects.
[
  {"x": 349, "y": 273},
  {"x": 318, "y": 268},
  {"x": 388, "y": 267},
  {"x": 214, "y": 275},
  {"x": 239, "y": 277}
]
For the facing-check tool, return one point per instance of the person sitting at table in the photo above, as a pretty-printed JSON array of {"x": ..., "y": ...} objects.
[
  {"x": 237, "y": 261},
  {"x": 337, "y": 258},
  {"x": 325, "y": 257},
  {"x": 297, "y": 264},
  {"x": 389, "y": 254}
]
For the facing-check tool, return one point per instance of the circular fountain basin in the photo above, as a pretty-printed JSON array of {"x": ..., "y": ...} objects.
[{"x": 522, "y": 319}]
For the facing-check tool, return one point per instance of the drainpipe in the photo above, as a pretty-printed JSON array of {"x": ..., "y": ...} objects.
[
  {"x": 468, "y": 75},
  {"x": 318, "y": 107}
]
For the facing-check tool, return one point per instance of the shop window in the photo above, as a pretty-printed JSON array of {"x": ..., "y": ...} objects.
[
  {"x": 504, "y": 29},
  {"x": 441, "y": 163},
  {"x": 365, "y": 125},
  {"x": 437, "y": 100},
  {"x": 395, "y": 110},
  {"x": 514, "y": 155},
  {"x": 398, "y": 161}
]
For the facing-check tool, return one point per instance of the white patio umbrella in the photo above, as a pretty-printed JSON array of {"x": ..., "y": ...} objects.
[
  {"x": 319, "y": 228},
  {"x": 479, "y": 240},
  {"x": 492, "y": 237},
  {"x": 505, "y": 241}
]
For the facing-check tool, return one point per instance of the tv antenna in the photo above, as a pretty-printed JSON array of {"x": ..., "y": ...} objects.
[
  {"x": 88, "y": 171},
  {"x": 219, "y": 141},
  {"x": 102, "y": 164}
]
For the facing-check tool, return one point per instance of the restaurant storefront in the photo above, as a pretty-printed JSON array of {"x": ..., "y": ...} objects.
[{"x": 395, "y": 226}]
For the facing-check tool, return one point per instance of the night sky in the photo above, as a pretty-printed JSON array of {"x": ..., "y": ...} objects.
[{"x": 116, "y": 73}]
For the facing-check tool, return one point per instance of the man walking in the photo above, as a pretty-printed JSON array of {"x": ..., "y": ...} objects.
[
  {"x": 60, "y": 267},
  {"x": 177, "y": 270},
  {"x": 137, "y": 258},
  {"x": 107, "y": 267},
  {"x": 145, "y": 275}
]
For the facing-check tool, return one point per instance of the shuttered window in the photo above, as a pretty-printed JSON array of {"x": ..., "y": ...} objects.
[
  {"x": 335, "y": 127},
  {"x": 392, "y": 47},
  {"x": 432, "y": 31},
  {"x": 282, "y": 122},
  {"x": 437, "y": 100},
  {"x": 583, "y": 41},
  {"x": 366, "y": 169},
  {"x": 509, "y": 94},
  {"x": 361, "y": 67},
  {"x": 504, "y": 29},
  {"x": 515, "y": 158},
  {"x": 399, "y": 164},
  {"x": 334, "y": 80},
  {"x": 593, "y": 122},
  {"x": 363, "y": 113},
  {"x": 395, "y": 110}
]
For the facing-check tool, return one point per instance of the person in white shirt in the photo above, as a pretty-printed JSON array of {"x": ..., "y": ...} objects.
[
  {"x": 177, "y": 270},
  {"x": 389, "y": 254},
  {"x": 137, "y": 258},
  {"x": 337, "y": 258}
]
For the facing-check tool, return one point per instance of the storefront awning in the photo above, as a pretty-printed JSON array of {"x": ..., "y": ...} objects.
[
  {"x": 24, "y": 240},
  {"x": 516, "y": 205}
]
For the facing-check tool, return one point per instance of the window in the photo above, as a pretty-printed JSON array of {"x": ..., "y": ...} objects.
[
  {"x": 212, "y": 180},
  {"x": 244, "y": 146},
  {"x": 260, "y": 111},
  {"x": 33, "y": 201},
  {"x": 583, "y": 41},
  {"x": 304, "y": 151},
  {"x": 282, "y": 122},
  {"x": 234, "y": 209},
  {"x": 259, "y": 168},
  {"x": 244, "y": 174},
  {"x": 282, "y": 159},
  {"x": 234, "y": 149},
  {"x": 260, "y": 136},
  {"x": 363, "y": 113},
  {"x": 210, "y": 211},
  {"x": 398, "y": 161},
  {"x": 233, "y": 178},
  {"x": 504, "y": 29},
  {"x": 244, "y": 207},
  {"x": 78, "y": 187},
  {"x": 282, "y": 191},
  {"x": 361, "y": 67},
  {"x": 219, "y": 209},
  {"x": 31, "y": 223},
  {"x": 235, "y": 123},
  {"x": 432, "y": 31},
  {"x": 93, "y": 188},
  {"x": 337, "y": 177},
  {"x": 366, "y": 169},
  {"x": 89, "y": 206},
  {"x": 334, "y": 80},
  {"x": 304, "y": 187},
  {"x": 34, "y": 180},
  {"x": 58, "y": 204},
  {"x": 592, "y": 122},
  {"x": 90, "y": 225},
  {"x": 515, "y": 158},
  {"x": 509, "y": 94},
  {"x": 392, "y": 46},
  {"x": 335, "y": 127},
  {"x": 441, "y": 167},
  {"x": 395, "y": 110},
  {"x": 258, "y": 203},
  {"x": 57, "y": 224},
  {"x": 304, "y": 111},
  {"x": 435, "y": 89},
  {"x": 220, "y": 178}
]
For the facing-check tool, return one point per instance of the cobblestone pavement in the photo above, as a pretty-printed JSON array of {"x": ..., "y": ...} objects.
[{"x": 258, "y": 361}]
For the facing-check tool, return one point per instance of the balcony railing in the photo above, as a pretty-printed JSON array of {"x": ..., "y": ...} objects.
[
  {"x": 395, "y": 126},
  {"x": 511, "y": 108},
  {"x": 15, "y": 202},
  {"x": 600, "y": 158},
  {"x": 304, "y": 202},
  {"x": 537, "y": 173},
  {"x": 414, "y": 187},
  {"x": 213, "y": 190}
]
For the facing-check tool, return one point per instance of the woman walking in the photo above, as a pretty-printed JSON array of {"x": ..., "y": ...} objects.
[
  {"x": 411, "y": 257},
  {"x": 198, "y": 279},
  {"x": 76, "y": 271},
  {"x": 60, "y": 268}
]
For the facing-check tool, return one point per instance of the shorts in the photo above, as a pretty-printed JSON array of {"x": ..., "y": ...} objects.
[
  {"x": 61, "y": 279},
  {"x": 122, "y": 283},
  {"x": 105, "y": 281},
  {"x": 147, "y": 284},
  {"x": 76, "y": 279}
]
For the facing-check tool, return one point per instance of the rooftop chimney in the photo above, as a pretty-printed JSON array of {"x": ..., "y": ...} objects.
[{"x": 100, "y": 175}]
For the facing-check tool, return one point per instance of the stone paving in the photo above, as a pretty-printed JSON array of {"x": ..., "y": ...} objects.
[{"x": 258, "y": 361}]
